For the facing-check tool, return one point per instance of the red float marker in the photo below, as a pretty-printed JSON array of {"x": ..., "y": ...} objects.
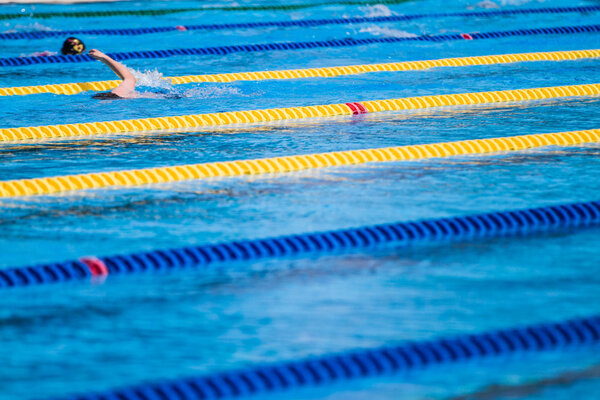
[
  {"x": 357, "y": 108},
  {"x": 181, "y": 28},
  {"x": 95, "y": 265},
  {"x": 466, "y": 36}
]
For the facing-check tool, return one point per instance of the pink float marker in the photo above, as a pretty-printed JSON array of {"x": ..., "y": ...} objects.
[
  {"x": 95, "y": 265},
  {"x": 357, "y": 108},
  {"x": 181, "y": 28},
  {"x": 466, "y": 36}
]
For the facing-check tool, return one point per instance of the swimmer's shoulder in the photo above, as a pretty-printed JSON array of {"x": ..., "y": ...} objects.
[{"x": 122, "y": 92}]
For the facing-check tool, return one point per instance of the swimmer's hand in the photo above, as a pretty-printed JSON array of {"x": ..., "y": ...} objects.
[{"x": 97, "y": 55}]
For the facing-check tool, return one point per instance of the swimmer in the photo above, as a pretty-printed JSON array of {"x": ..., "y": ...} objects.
[
  {"x": 126, "y": 88},
  {"x": 70, "y": 47}
]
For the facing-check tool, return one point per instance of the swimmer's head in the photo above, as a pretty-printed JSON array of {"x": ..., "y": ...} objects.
[{"x": 72, "y": 46}]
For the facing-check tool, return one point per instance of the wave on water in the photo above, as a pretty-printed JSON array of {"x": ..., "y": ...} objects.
[
  {"x": 489, "y": 4},
  {"x": 44, "y": 53},
  {"x": 162, "y": 88},
  {"x": 212, "y": 92},
  {"x": 35, "y": 27},
  {"x": 388, "y": 32},
  {"x": 152, "y": 79},
  {"x": 378, "y": 10},
  {"x": 381, "y": 10}
]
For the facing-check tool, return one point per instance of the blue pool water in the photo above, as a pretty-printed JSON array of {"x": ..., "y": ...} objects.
[{"x": 63, "y": 339}]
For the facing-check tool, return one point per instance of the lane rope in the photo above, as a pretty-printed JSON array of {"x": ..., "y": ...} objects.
[
  {"x": 326, "y": 72},
  {"x": 463, "y": 228},
  {"x": 249, "y": 48},
  {"x": 167, "y": 11},
  {"x": 135, "y": 177},
  {"x": 274, "y": 114},
  {"x": 366, "y": 363},
  {"x": 291, "y": 23}
]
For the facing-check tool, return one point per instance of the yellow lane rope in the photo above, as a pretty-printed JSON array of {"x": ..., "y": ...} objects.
[
  {"x": 36, "y": 186},
  {"x": 74, "y": 88},
  {"x": 273, "y": 114}
]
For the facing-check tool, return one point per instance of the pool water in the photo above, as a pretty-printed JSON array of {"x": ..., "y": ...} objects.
[{"x": 80, "y": 337}]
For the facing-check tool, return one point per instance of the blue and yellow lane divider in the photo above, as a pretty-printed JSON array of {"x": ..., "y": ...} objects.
[
  {"x": 135, "y": 177},
  {"x": 292, "y": 23},
  {"x": 275, "y": 114},
  {"x": 326, "y": 72},
  {"x": 463, "y": 228},
  {"x": 261, "y": 47},
  {"x": 328, "y": 369}
]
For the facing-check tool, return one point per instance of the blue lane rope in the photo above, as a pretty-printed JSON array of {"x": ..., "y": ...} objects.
[
  {"x": 369, "y": 363},
  {"x": 526, "y": 221},
  {"x": 301, "y": 23},
  {"x": 345, "y": 42}
]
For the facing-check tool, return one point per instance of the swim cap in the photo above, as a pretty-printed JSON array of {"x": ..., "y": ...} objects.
[{"x": 72, "y": 46}]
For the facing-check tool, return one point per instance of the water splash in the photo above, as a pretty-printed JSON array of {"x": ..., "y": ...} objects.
[
  {"x": 152, "y": 79},
  {"x": 36, "y": 27},
  {"x": 44, "y": 53},
  {"x": 489, "y": 4},
  {"x": 388, "y": 32},
  {"x": 212, "y": 92},
  {"x": 162, "y": 88},
  {"x": 378, "y": 10},
  {"x": 512, "y": 3}
]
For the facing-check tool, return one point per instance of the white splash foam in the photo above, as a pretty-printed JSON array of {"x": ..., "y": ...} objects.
[
  {"x": 378, "y": 10},
  {"x": 149, "y": 95},
  {"x": 153, "y": 79},
  {"x": 37, "y": 27},
  {"x": 519, "y": 2},
  {"x": 389, "y": 32},
  {"x": 211, "y": 92},
  {"x": 489, "y": 4},
  {"x": 44, "y": 53},
  {"x": 486, "y": 4}
]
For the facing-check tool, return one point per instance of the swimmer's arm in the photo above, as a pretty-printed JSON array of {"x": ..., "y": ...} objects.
[{"x": 128, "y": 84}]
